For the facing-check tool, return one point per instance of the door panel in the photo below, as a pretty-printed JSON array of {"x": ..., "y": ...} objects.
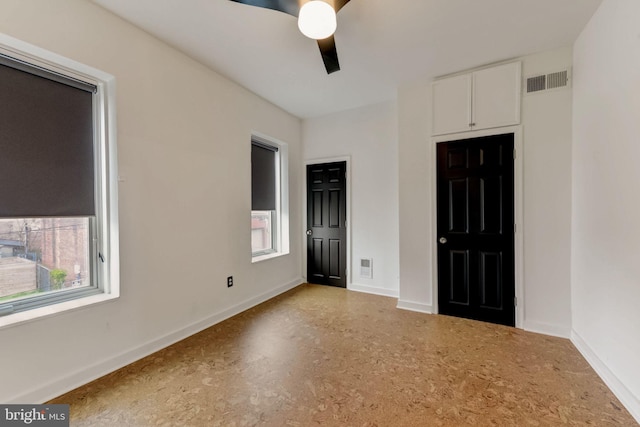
[
  {"x": 490, "y": 202},
  {"x": 475, "y": 229},
  {"x": 457, "y": 159},
  {"x": 458, "y": 205},
  {"x": 335, "y": 255},
  {"x": 316, "y": 208},
  {"x": 315, "y": 269},
  {"x": 459, "y": 277},
  {"x": 335, "y": 207},
  {"x": 490, "y": 280},
  {"x": 326, "y": 224}
]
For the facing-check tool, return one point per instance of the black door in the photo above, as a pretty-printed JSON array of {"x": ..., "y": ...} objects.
[
  {"x": 476, "y": 276},
  {"x": 326, "y": 224}
]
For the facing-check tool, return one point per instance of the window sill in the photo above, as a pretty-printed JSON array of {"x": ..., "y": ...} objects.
[
  {"x": 21, "y": 317},
  {"x": 265, "y": 257}
]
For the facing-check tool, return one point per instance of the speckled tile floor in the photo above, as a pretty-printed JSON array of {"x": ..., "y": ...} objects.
[{"x": 326, "y": 356}]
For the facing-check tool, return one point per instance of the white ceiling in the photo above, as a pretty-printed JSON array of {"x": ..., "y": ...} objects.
[{"x": 381, "y": 43}]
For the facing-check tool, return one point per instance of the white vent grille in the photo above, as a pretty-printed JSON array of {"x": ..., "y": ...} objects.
[
  {"x": 559, "y": 79},
  {"x": 535, "y": 84},
  {"x": 549, "y": 81},
  {"x": 366, "y": 268}
]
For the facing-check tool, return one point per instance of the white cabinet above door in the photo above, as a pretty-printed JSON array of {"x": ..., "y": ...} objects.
[
  {"x": 496, "y": 96},
  {"x": 452, "y": 104},
  {"x": 482, "y": 99}
]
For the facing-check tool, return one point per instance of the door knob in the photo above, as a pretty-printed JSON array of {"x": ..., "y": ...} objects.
[
  {"x": 309, "y": 232},
  {"x": 443, "y": 240}
]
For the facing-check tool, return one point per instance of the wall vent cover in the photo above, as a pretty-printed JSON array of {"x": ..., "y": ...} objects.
[
  {"x": 559, "y": 79},
  {"x": 549, "y": 81},
  {"x": 536, "y": 84},
  {"x": 366, "y": 268}
]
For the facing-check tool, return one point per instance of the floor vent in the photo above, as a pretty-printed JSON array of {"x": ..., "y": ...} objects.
[
  {"x": 366, "y": 268},
  {"x": 550, "y": 81}
]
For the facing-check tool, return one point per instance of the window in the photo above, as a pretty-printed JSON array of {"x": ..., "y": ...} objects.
[
  {"x": 262, "y": 232},
  {"x": 58, "y": 216},
  {"x": 269, "y": 199}
]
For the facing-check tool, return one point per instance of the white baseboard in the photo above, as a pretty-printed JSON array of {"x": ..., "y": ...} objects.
[
  {"x": 626, "y": 397},
  {"x": 547, "y": 329},
  {"x": 85, "y": 375},
  {"x": 373, "y": 290},
  {"x": 415, "y": 306}
]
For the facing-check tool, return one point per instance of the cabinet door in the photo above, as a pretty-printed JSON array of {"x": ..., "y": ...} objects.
[
  {"x": 496, "y": 96},
  {"x": 451, "y": 105}
]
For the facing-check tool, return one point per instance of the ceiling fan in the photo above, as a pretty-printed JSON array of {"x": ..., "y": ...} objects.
[{"x": 316, "y": 20}]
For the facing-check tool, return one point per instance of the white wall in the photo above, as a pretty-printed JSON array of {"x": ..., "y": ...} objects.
[
  {"x": 184, "y": 150},
  {"x": 546, "y": 119},
  {"x": 546, "y": 123},
  {"x": 368, "y": 136},
  {"x": 606, "y": 235},
  {"x": 415, "y": 167}
]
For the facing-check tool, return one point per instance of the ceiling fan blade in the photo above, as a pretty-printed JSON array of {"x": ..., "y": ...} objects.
[
  {"x": 292, "y": 7},
  {"x": 339, "y": 4},
  {"x": 329, "y": 54}
]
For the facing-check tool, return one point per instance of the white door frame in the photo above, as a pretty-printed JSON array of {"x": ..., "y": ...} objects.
[{"x": 518, "y": 200}]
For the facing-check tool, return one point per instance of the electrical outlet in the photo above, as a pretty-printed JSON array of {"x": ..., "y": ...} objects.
[{"x": 229, "y": 281}]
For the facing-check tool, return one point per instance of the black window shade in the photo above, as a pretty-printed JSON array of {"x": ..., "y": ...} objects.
[
  {"x": 263, "y": 177},
  {"x": 46, "y": 144}
]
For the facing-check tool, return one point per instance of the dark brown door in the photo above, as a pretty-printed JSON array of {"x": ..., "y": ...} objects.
[
  {"x": 326, "y": 224},
  {"x": 476, "y": 276}
]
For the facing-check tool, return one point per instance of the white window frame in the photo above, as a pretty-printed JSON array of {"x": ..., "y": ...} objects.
[
  {"x": 280, "y": 227},
  {"x": 105, "y": 244},
  {"x": 273, "y": 221}
]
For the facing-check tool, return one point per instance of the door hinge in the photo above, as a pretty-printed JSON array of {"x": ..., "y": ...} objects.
[
  {"x": 514, "y": 154},
  {"x": 515, "y": 228},
  {"x": 346, "y": 272},
  {"x": 515, "y": 301}
]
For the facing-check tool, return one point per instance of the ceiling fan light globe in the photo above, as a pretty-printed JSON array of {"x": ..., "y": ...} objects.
[{"x": 317, "y": 20}]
